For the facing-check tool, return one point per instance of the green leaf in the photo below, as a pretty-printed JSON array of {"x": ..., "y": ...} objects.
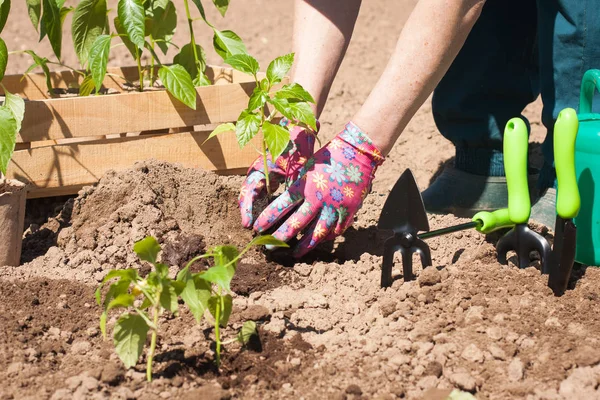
[
  {"x": 131, "y": 15},
  {"x": 123, "y": 300},
  {"x": 34, "y": 9},
  {"x": 4, "y": 11},
  {"x": 295, "y": 111},
  {"x": 179, "y": 83},
  {"x": 3, "y": 58},
  {"x": 162, "y": 270},
  {"x": 201, "y": 80},
  {"x": 228, "y": 127},
  {"x": 147, "y": 249},
  {"x": 89, "y": 21},
  {"x": 267, "y": 240},
  {"x": 302, "y": 112},
  {"x": 294, "y": 91},
  {"x": 279, "y": 67},
  {"x": 8, "y": 137},
  {"x": 185, "y": 58},
  {"x": 164, "y": 24},
  {"x": 227, "y": 43},
  {"x": 247, "y": 127},
  {"x": 52, "y": 25},
  {"x": 168, "y": 298},
  {"x": 115, "y": 290},
  {"x": 124, "y": 38},
  {"x": 258, "y": 99},
  {"x": 98, "y": 59},
  {"x": 42, "y": 63},
  {"x": 227, "y": 302},
  {"x": 87, "y": 86},
  {"x": 198, "y": 4},
  {"x": 248, "y": 330},
  {"x": 244, "y": 63},
  {"x": 225, "y": 254},
  {"x": 129, "y": 337},
  {"x": 219, "y": 275},
  {"x": 276, "y": 137},
  {"x": 221, "y": 6},
  {"x": 16, "y": 105},
  {"x": 196, "y": 294}
]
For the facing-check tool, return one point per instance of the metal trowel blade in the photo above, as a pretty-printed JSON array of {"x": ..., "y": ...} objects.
[{"x": 403, "y": 210}]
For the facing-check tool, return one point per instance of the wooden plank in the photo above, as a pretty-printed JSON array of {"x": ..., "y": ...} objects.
[
  {"x": 132, "y": 112},
  {"x": 72, "y": 165},
  {"x": 33, "y": 86}
]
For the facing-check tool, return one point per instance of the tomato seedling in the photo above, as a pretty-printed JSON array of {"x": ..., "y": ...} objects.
[
  {"x": 292, "y": 101},
  {"x": 144, "y": 300},
  {"x": 210, "y": 289}
]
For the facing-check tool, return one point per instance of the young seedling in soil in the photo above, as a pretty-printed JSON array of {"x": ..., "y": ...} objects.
[
  {"x": 210, "y": 289},
  {"x": 291, "y": 101},
  {"x": 156, "y": 293}
]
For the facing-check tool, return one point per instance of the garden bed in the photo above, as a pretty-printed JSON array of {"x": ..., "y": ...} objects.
[{"x": 326, "y": 328}]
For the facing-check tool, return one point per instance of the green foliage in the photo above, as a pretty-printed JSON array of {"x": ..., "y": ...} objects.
[
  {"x": 158, "y": 293},
  {"x": 132, "y": 17},
  {"x": 89, "y": 22},
  {"x": 4, "y": 11},
  {"x": 98, "y": 60},
  {"x": 52, "y": 20},
  {"x": 179, "y": 83},
  {"x": 248, "y": 330},
  {"x": 210, "y": 289},
  {"x": 291, "y": 101},
  {"x": 34, "y": 9},
  {"x": 163, "y": 22},
  {"x": 8, "y": 137}
]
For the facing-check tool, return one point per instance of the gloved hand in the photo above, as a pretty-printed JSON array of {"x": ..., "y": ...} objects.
[
  {"x": 330, "y": 190},
  {"x": 285, "y": 169}
]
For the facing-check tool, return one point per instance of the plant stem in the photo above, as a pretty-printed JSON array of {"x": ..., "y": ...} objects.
[
  {"x": 152, "y": 64},
  {"x": 192, "y": 38},
  {"x": 217, "y": 333},
  {"x": 152, "y": 345},
  {"x": 138, "y": 58},
  {"x": 264, "y": 152}
]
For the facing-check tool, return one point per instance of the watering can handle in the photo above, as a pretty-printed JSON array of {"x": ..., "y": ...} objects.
[{"x": 589, "y": 82}]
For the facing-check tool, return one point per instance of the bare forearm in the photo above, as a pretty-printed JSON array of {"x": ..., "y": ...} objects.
[
  {"x": 429, "y": 42},
  {"x": 322, "y": 32}
]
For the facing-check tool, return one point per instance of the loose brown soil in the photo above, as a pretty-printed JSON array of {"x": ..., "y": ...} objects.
[{"x": 327, "y": 329}]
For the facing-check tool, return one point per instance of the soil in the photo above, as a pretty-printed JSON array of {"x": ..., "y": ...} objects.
[{"x": 327, "y": 328}]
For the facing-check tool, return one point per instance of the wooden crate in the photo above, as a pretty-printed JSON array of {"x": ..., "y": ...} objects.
[{"x": 67, "y": 143}]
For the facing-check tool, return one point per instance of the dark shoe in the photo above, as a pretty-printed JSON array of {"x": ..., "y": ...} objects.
[{"x": 464, "y": 194}]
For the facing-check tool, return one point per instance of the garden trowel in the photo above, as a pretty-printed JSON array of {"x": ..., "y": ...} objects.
[{"x": 567, "y": 201}]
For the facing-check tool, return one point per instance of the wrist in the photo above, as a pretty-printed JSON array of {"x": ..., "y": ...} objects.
[{"x": 357, "y": 138}]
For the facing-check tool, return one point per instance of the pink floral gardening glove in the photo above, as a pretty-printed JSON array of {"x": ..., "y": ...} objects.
[
  {"x": 330, "y": 190},
  {"x": 285, "y": 169}
]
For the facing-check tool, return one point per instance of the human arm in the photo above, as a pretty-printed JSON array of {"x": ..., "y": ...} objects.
[
  {"x": 322, "y": 32},
  {"x": 430, "y": 40}
]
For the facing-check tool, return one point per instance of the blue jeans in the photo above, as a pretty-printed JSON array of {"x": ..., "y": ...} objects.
[{"x": 517, "y": 50}]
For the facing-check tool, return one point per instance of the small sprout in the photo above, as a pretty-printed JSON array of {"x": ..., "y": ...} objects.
[
  {"x": 211, "y": 289},
  {"x": 247, "y": 332},
  {"x": 291, "y": 101},
  {"x": 157, "y": 293}
]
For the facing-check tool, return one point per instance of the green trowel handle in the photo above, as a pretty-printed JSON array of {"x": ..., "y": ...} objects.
[
  {"x": 515, "y": 166},
  {"x": 589, "y": 82},
  {"x": 491, "y": 221},
  {"x": 565, "y": 133}
]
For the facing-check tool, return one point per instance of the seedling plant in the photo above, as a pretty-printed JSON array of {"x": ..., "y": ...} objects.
[
  {"x": 292, "y": 101},
  {"x": 144, "y": 300},
  {"x": 141, "y": 25}
]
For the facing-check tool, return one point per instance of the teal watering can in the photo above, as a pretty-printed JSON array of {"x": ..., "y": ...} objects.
[{"x": 587, "y": 169}]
